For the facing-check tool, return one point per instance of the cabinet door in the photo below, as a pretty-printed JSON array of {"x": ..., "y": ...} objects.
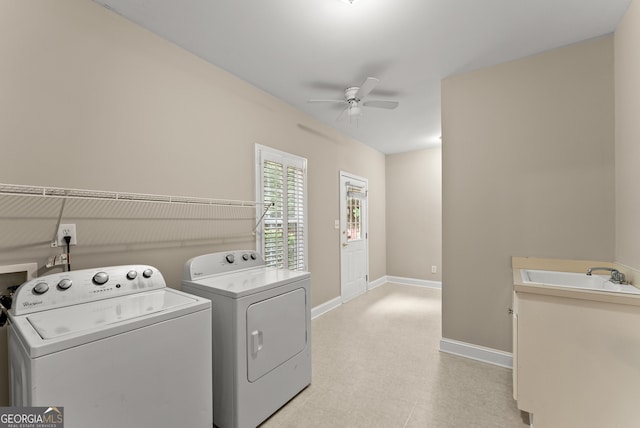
[
  {"x": 276, "y": 332},
  {"x": 515, "y": 355}
]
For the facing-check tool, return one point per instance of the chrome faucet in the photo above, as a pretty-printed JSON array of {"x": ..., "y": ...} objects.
[{"x": 617, "y": 277}]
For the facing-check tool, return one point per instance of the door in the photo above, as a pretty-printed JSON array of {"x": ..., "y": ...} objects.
[{"x": 354, "y": 251}]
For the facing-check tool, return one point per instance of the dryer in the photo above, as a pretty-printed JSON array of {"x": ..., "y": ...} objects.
[
  {"x": 261, "y": 333},
  {"x": 114, "y": 346}
]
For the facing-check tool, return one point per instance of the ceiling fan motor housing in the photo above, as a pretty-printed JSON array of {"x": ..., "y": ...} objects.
[{"x": 350, "y": 94}]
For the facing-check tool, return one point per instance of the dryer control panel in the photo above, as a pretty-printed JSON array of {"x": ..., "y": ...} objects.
[
  {"x": 224, "y": 262},
  {"x": 81, "y": 286}
]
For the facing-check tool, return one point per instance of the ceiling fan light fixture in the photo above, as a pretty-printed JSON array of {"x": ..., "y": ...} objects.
[
  {"x": 355, "y": 110},
  {"x": 349, "y": 1}
]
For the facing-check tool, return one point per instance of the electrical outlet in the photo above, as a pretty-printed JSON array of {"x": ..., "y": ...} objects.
[
  {"x": 434, "y": 269},
  {"x": 67, "y": 230}
]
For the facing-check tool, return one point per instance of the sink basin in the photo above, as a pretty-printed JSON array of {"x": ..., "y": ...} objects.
[{"x": 575, "y": 280}]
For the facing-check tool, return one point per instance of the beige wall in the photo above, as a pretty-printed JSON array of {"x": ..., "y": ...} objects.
[
  {"x": 135, "y": 113},
  {"x": 528, "y": 170},
  {"x": 627, "y": 94},
  {"x": 128, "y": 111},
  {"x": 414, "y": 214}
]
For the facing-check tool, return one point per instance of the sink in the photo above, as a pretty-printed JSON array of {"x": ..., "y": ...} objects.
[{"x": 575, "y": 280}]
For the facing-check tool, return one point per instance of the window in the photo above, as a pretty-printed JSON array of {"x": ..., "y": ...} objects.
[
  {"x": 281, "y": 180},
  {"x": 354, "y": 207}
]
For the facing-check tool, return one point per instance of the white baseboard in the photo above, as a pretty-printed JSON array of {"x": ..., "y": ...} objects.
[
  {"x": 475, "y": 352},
  {"x": 325, "y": 307},
  {"x": 413, "y": 281},
  {"x": 377, "y": 283}
]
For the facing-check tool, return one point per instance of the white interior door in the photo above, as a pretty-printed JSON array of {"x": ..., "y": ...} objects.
[{"x": 354, "y": 252}]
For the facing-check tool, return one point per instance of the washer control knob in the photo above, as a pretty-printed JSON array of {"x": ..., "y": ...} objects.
[
  {"x": 100, "y": 278},
  {"x": 64, "y": 284},
  {"x": 253, "y": 256},
  {"x": 132, "y": 274},
  {"x": 245, "y": 257},
  {"x": 230, "y": 258},
  {"x": 147, "y": 273},
  {"x": 41, "y": 288}
]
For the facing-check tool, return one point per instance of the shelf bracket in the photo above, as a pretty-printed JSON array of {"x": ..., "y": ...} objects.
[{"x": 266, "y": 210}]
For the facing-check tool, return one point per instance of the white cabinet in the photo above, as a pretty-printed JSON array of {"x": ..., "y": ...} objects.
[
  {"x": 576, "y": 358},
  {"x": 514, "y": 332}
]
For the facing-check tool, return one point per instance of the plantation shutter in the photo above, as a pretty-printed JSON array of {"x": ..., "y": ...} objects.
[
  {"x": 295, "y": 219},
  {"x": 273, "y": 223},
  {"x": 282, "y": 181}
]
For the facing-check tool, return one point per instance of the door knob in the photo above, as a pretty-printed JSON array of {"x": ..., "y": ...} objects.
[{"x": 344, "y": 244}]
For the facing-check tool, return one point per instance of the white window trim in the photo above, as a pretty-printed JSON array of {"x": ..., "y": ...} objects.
[{"x": 263, "y": 153}]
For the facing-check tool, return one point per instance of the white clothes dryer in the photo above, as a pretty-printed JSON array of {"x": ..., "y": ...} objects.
[
  {"x": 114, "y": 347},
  {"x": 261, "y": 333}
]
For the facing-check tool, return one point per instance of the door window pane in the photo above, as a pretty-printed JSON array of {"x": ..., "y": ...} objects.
[{"x": 354, "y": 219}]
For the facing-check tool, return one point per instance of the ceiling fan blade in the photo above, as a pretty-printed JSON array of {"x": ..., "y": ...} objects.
[
  {"x": 344, "y": 115},
  {"x": 366, "y": 87},
  {"x": 381, "y": 104},
  {"x": 327, "y": 101}
]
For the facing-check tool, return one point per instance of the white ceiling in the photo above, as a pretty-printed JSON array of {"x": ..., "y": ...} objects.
[{"x": 302, "y": 49}]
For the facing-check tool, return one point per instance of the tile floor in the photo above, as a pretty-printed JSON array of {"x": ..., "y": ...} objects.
[{"x": 376, "y": 363}]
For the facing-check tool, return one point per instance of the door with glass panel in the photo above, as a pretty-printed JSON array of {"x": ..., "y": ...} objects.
[{"x": 354, "y": 254}]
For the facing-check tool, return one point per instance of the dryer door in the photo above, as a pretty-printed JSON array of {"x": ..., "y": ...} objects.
[{"x": 276, "y": 331}]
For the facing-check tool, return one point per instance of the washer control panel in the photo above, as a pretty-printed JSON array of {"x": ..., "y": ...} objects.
[
  {"x": 224, "y": 262},
  {"x": 80, "y": 286}
]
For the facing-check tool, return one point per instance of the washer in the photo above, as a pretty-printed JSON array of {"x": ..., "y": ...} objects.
[
  {"x": 114, "y": 346},
  {"x": 261, "y": 333}
]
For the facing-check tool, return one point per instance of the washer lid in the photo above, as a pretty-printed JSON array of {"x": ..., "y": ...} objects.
[
  {"x": 59, "y": 322},
  {"x": 58, "y": 329}
]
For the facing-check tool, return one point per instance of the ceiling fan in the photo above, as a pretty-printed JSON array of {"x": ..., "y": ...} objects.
[{"x": 354, "y": 100}]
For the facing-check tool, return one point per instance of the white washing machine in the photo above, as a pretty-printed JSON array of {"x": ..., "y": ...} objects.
[
  {"x": 114, "y": 346},
  {"x": 261, "y": 333}
]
